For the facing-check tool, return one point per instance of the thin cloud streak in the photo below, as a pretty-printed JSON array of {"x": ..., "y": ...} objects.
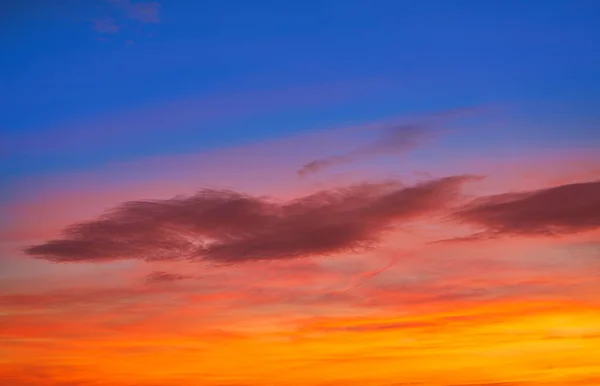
[
  {"x": 395, "y": 139},
  {"x": 160, "y": 277}
]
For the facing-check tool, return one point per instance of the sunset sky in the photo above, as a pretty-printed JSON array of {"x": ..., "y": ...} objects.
[{"x": 300, "y": 193}]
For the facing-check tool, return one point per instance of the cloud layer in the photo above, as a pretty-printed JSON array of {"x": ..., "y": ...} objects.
[{"x": 227, "y": 226}]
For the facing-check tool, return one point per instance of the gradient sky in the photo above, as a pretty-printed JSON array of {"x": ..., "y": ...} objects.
[{"x": 221, "y": 193}]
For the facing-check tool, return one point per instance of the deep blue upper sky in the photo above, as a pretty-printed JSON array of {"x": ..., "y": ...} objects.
[{"x": 263, "y": 69}]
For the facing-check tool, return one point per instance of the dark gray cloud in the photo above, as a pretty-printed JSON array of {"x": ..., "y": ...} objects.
[{"x": 226, "y": 226}]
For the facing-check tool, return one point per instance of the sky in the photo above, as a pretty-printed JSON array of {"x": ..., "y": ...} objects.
[{"x": 315, "y": 193}]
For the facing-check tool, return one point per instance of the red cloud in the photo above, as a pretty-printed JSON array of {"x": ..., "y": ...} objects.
[
  {"x": 559, "y": 210},
  {"x": 226, "y": 226}
]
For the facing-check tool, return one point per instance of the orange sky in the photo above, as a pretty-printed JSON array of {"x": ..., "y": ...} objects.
[{"x": 419, "y": 307}]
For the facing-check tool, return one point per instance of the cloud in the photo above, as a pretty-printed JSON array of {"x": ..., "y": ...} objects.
[
  {"x": 432, "y": 322},
  {"x": 383, "y": 326},
  {"x": 226, "y": 226},
  {"x": 323, "y": 163},
  {"x": 558, "y": 210},
  {"x": 164, "y": 277},
  {"x": 58, "y": 299},
  {"x": 394, "y": 139}
]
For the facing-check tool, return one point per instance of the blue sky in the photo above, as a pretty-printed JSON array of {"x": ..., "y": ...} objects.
[{"x": 193, "y": 76}]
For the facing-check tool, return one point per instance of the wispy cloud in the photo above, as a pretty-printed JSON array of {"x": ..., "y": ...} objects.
[
  {"x": 396, "y": 140},
  {"x": 227, "y": 226},
  {"x": 157, "y": 277},
  {"x": 391, "y": 139}
]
